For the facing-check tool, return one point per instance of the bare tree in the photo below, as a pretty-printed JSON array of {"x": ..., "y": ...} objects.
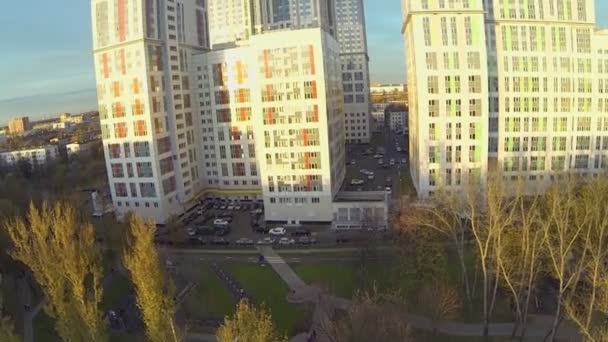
[
  {"x": 373, "y": 316},
  {"x": 517, "y": 254},
  {"x": 444, "y": 214},
  {"x": 562, "y": 234},
  {"x": 440, "y": 302}
]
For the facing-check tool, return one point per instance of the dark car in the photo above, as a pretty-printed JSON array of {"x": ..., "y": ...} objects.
[
  {"x": 197, "y": 240},
  {"x": 260, "y": 229},
  {"x": 244, "y": 242},
  {"x": 342, "y": 239},
  {"x": 205, "y": 230},
  {"x": 223, "y": 231},
  {"x": 218, "y": 241},
  {"x": 301, "y": 232}
]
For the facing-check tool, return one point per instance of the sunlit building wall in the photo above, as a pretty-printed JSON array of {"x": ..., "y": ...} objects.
[
  {"x": 286, "y": 85},
  {"x": 448, "y": 93},
  {"x": 143, "y": 58}
]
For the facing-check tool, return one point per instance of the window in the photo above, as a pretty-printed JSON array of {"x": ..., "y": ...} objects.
[
  {"x": 144, "y": 169},
  {"x": 432, "y": 154},
  {"x": 236, "y": 151},
  {"x": 169, "y": 185},
  {"x": 427, "y": 31},
  {"x": 120, "y": 130},
  {"x": 432, "y": 132},
  {"x": 238, "y": 169},
  {"x": 117, "y": 171},
  {"x": 432, "y": 84},
  {"x": 139, "y": 127},
  {"x": 164, "y": 145},
  {"x": 120, "y": 189},
  {"x": 141, "y": 148},
  {"x": 581, "y": 161},
  {"x": 166, "y": 165},
  {"x": 432, "y": 177},
  {"x": 114, "y": 151},
  {"x": 147, "y": 190},
  {"x": 472, "y": 154}
]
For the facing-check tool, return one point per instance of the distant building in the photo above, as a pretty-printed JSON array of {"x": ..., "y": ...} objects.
[
  {"x": 44, "y": 125},
  {"x": 36, "y": 156},
  {"x": 61, "y": 125},
  {"x": 71, "y": 119},
  {"x": 80, "y": 148},
  {"x": 397, "y": 119},
  {"x": 19, "y": 125},
  {"x": 388, "y": 88}
]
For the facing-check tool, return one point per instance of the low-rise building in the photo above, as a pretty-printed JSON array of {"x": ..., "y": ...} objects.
[
  {"x": 388, "y": 88},
  {"x": 71, "y": 119},
  {"x": 80, "y": 148},
  {"x": 36, "y": 156},
  {"x": 354, "y": 210}
]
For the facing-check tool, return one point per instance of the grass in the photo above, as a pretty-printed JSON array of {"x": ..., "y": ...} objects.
[
  {"x": 265, "y": 286},
  {"x": 209, "y": 299},
  {"x": 44, "y": 328},
  {"x": 338, "y": 278}
]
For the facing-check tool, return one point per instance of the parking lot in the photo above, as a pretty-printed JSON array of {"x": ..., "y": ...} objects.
[
  {"x": 247, "y": 227},
  {"x": 365, "y": 157}
]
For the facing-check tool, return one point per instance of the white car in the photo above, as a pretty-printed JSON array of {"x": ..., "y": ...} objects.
[
  {"x": 286, "y": 241},
  {"x": 277, "y": 231},
  {"x": 388, "y": 189},
  {"x": 230, "y": 207},
  {"x": 220, "y": 222},
  {"x": 356, "y": 182},
  {"x": 237, "y": 207},
  {"x": 353, "y": 162},
  {"x": 377, "y": 156},
  {"x": 199, "y": 211},
  {"x": 370, "y": 177},
  {"x": 392, "y": 162},
  {"x": 266, "y": 241},
  {"x": 191, "y": 231}
]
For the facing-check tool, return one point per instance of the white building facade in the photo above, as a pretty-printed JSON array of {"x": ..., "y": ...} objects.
[
  {"x": 142, "y": 52},
  {"x": 545, "y": 71},
  {"x": 352, "y": 36},
  {"x": 35, "y": 156},
  {"x": 448, "y": 93},
  {"x": 397, "y": 120},
  {"x": 272, "y": 120}
]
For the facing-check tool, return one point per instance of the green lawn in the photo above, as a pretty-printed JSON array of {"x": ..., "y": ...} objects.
[
  {"x": 44, "y": 328},
  {"x": 209, "y": 299},
  {"x": 337, "y": 278},
  {"x": 265, "y": 286}
]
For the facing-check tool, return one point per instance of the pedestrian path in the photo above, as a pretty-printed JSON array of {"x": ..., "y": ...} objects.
[
  {"x": 282, "y": 268},
  {"x": 324, "y": 304}
]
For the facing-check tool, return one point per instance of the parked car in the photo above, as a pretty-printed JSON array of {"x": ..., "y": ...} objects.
[
  {"x": 370, "y": 177},
  {"x": 219, "y": 241},
  {"x": 220, "y": 222},
  {"x": 230, "y": 207},
  {"x": 266, "y": 241},
  {"x": 205, "y": 230},
  {"x": 285, "y": 241},
  {"x": 378, "y": 156},
  {"x": 237, "y": 207},
  {"x": 199, "y": 211},
  {"x": 191, "y": 231},
  {"x": 244, "y": 242},
  {"x": 223, "y": 207},
  {"x": 356, "y": 182},
  {"x": 226, "y": 217},
  {"x": 197, "y": 240},
  {"x": 342, "y": 239},
  {"x": 301, "y": 232},
  {"x": 277, "y": 231},
  {"x": 392, "y": 162},
  {"x": 388, "y": 189},
  {"x": 260, "y": 229},
  {"x": 353, "y": 162},
  {"x": 222, "y": 231},
  {"x": 305, "y": 240}
]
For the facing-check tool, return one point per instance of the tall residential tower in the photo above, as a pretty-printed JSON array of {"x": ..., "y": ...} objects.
[
  {"x": 534, "y": 72},
  {"x": 143, "y": 58},
  {"x": 352, "y": 36}
]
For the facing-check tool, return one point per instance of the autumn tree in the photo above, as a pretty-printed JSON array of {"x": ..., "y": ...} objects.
[
  {"x": 61, "y": 253},
  {"x": 440, "y": 302},
  {"x": 154, "y": 293},
  {"x": 249, "y": 324}
]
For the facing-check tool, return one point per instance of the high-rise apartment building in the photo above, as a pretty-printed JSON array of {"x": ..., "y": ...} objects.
[
  {"x": 19, "y": 125},
  {"x": 448, "y": 93},
  {"x": 143, "y": 59},
  {"x": 352, "y": 36},
  {"x": 272, "y": 119},
  {"x": 544, "y": 79},
  {"x": 233, "y": 21},
  {"x": 293, "y": 14}
]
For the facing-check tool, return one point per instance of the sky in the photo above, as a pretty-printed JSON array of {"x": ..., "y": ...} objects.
[{"x": 46, "y": 64}]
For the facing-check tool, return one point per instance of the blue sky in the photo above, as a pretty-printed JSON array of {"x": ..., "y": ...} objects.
[{"x": 46, "y": 64}]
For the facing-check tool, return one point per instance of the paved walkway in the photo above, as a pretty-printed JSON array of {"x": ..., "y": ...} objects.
[{"x": 538, "y": 325}]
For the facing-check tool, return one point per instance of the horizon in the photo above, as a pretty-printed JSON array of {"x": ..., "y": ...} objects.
[{"x": 50, "y": 65}]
